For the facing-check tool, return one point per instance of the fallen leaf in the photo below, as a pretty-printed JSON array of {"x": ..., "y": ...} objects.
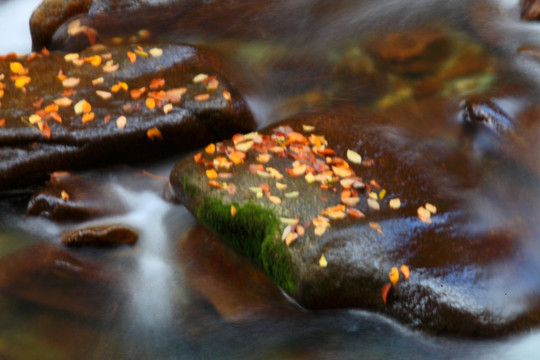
[
  {"x": 131, "y": 56},
  {"x": 199, "y": 78},
  {"x": 87, "y": 117},
  {"x": 71, "y": 82},
  {"x": 395, "y": 203},
  {"x": 393, "y": 275},
  {"x": 210, "y": 149},
  {"x": 155, "y": 52},
  {"x": 211, "y": 174},
  {"x": 431, "y": 208},
  {"x": 63, "y": 102},
  {"x": 64, "y": 195},
  {"x": 121, "y": 122},
  {"x": 405, "y": 271},
  {"x": 202, "y": 97},
  {"x": 385, "y": 290},
  {"x": 150, "y": 103},
  {"x": 105, "y": 95},
  {"x": 154, "y": 133},
  {"x": 226, "y": 95},
  {"x": 354, "y": 157},
  {"x": 322, "y": 261},
  {"x": 233, "y": 211}
]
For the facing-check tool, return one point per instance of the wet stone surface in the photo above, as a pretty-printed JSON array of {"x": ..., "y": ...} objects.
[
  {"x": 328, "y": 225},
  {"x": 110, "y": 104},
  {"x": 100, "y": 236}
]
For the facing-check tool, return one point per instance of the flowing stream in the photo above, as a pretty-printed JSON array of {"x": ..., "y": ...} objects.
[{"x": 178, "y": 293}]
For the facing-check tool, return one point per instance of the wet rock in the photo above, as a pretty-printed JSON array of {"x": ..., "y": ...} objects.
[
  {"x": 455, "y": 225},
  {"x": 530, "y": 10},
  {"x": 484, "y": 113},
  {"x": 411, "y": 52},
  {"x": 106, "y": 106},
  {"x": 100, "y": 236},
  {"x": 230, "y": 282},
  {"x": 74, "y": 198},
  {"x": 57, "y": 278}
]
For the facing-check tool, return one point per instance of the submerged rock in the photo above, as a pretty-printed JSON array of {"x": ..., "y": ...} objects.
[
  {"x": 530, "y": 10},
  {"x": 100, "y": 236},
  {"x": 55, "y": 277},
  {"x": 110, "y": 104},
  {"x": 75, "y": 198},
  {"x": 329, "y": 211}
]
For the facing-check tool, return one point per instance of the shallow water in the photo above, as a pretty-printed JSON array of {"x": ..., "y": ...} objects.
[{"x": 180, "y": 294}]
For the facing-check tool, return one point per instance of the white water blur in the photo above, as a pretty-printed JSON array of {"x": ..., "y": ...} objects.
[{"x": 14, "y": 27}]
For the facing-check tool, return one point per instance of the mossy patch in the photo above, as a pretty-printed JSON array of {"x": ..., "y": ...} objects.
[
  {"x": 252, "y": 232},
  {"x": 190, "y": 189}
]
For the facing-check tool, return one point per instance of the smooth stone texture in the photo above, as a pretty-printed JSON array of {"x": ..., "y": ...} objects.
[
  {"x": 27, "y": 154},
  {"x": 100, "y": 236},
  {"x": 80, "y": 281},
  {"x": 237, "y": 290},
  {"x": 69, "y": 198},
  {"x": 474, "y": 270}
]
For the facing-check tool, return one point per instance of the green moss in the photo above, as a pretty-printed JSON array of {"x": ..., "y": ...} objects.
[
  {"x": 190, "y": 189},
  {"x": 253, "y": 232}
]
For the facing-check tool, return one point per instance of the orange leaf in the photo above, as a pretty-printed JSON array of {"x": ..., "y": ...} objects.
[
  {"x": 132, "y": 57},
  {"x": 226, "y": 95},
  {"x": 2, "y": 122},
  {"x": 56, "y": 117},
  {"x": 150, "y": 103},
  {"x": 405, "y": 271},
  {"x": 46, "y": 130},
  {"x": 393, "y": 275},
  {"x": 385, "y": 290},
  {"x": 212, "y": 174},
  {"x": 157, "y": 83},
  {"x": 202, "y": 97},
  {"x": 210, "y": 149},
  {"x": 214, "y": 184},
  {"x": 1, "y": 93},
  {"x": 154, "y": 133},
  {"x": 88, "y": 117}
]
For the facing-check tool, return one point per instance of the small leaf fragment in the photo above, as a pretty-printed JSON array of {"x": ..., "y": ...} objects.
[
  {"x": 385, "y": 290},
  {"x": 354, "y": 157},
  {"x": 395, "y": 203},
  {"x": 393, "y": 275},
  {"x": 154, "y": 133},
  {"x": 210, "y": 149},
  {"x": 64, "y": 195},
  {"x": 323, "y": 262},
  {"x": 211, "y": 174},
  {"x": 71, "y": 82},
  {"x": 155, "y": 52},
  {"x": 405, "y": 271},
  {"x": 121, "y": 122},
  {"x": 199, "y": 78}
]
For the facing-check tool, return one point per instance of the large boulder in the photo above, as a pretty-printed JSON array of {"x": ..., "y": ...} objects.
[
  {"x": 333, "y": 212},
  {"x": 124, "y": 103}
]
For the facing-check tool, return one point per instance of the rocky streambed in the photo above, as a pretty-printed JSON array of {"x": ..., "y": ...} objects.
[{"x": 393, "y": 172}]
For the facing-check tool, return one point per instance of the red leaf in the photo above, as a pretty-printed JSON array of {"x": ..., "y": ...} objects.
[{"x": 385, "y": 290}]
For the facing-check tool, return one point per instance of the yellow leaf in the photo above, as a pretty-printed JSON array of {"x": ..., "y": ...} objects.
[
  {"x": 394, "y": 276},
  {"x": 354, "y": 157},
  {"x": 322, "y": 261}
]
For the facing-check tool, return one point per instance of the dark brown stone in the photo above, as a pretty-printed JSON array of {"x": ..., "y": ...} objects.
[
  {"x": 74, "y": 198},
  {"x": 530, "y": 10},
  {"x": 412, "y": 51},
  {"x": 29, "y": 151},
  {"x": 467, "y": 265},
  {"x": 52, "y": 276},
  {"x": 100, "y": 236},
  {"x": 238, "y": 290}
]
